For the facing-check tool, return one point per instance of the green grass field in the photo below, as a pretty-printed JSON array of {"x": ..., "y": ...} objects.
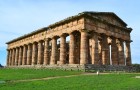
[{"x": 110, "y": 81}]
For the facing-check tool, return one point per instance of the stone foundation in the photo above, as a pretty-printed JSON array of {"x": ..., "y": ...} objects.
[{"x": 86, "y": 68}]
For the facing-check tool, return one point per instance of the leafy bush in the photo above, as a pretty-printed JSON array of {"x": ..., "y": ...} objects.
[{"x": 136, "y": 67}]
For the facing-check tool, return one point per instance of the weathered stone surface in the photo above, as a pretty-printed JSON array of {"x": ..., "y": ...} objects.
[{"x": 96, "y": 38}]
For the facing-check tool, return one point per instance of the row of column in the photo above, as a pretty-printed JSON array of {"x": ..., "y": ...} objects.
[
  {"x": 33, "y": 54},
  {"x": 116, "y": 52}
]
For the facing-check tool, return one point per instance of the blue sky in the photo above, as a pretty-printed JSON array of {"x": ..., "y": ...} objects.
[{"x": 19, "y": 17}]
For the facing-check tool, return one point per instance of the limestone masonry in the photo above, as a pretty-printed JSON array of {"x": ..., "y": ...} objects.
[{"x": 98, "y": 38}]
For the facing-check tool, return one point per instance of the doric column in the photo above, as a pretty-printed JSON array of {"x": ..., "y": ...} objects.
[
  {"x": 105, "y": 51},
  {"x": 10, "y": 61},
  {"x": 34, "y": 54},
  {"x": 46, "y": 52},
  {"x": 114, "y": 52},
  {"x": 62, "y": 49},
  {"x": 29, "y": 55},
  {"x": 128, "y": 53},
  {"x": 121, "y": 52},
  {"x": 20, "y": 56},
  {"x": 24, "y": 60},
  {"x": 8, "y": 57},
  {"x": 39, "y": 53},
  {"x": 84, "y": 48},
  {"x": 16, "y": 56},
  {"x": 95, "y": 54},
  {"x": 71, "y": 49},
  {"x": 53, "y": 53},
  {"x": 13, "y": 57}
]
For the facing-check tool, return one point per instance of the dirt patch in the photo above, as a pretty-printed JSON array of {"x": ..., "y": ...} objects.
[
  {"x": 137, "y": 77},
  {"x": 55, "y": 77}
]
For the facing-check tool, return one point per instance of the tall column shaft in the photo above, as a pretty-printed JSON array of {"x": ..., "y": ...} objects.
[
  {"x": 39, "y": 53},
  {"x": 46, "y": 52},
  {"x": 53, "y": 53},
  {"x": 128, "y": 53},
  {"x": 8, "y": 57},
  {"x": 84, "y": 48},
  {"x": 16, "y": 56},
  {"x": 62, "y": 49},
  {"x": 105, "y": 51},
  {"x": 24, "y": 60},
  {"x": 71, "y": 49},
  {"x": 121, "y": 53},
  {"x": 20, "y": 56},
  {"x": 95, "y": 54},
  {"x": 29, "y": 55},
  {"x": 114, "y": 52},
  {"x": 34, "y": 54},
  {"x": 13, "y": 57}
]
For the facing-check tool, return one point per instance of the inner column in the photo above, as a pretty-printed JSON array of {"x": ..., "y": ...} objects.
[
  {"x": 121, "y": 52},
  {"x": 95, "y": 54},
  {"x": 114, "y": 52},
  {"x": 105, "y": 51}
]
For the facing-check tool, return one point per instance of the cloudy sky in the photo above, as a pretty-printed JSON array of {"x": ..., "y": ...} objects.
[{"x": 19, "y": 17}]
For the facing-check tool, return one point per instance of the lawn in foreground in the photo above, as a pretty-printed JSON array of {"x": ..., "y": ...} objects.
[
  {"x": 82, "y": 82},
  {"x": 21, "y": 74}
]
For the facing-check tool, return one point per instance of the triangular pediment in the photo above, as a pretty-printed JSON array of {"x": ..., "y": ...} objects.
[{"x": 109, "y": 17}]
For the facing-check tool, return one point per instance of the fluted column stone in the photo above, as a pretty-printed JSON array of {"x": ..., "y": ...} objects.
[
  {"x": 95, "y": 54},
  {"x": 8, "y": 57},
  {"x": 128, "y": 53},
  {"x": 29, "y": 55},
  {"x": 20, "y": 56},
  {"x": 53, "y": 53},
  {"x": 105, "y": 51},
  {"x": 39, "y": 53},
  {"x": 34, "y": 54},
  {"x": 16, "y": 56},
  {"x": 114, "y": 52},
  {"x": 62, "y": 49},
  {"x": 13, "y": 57},
  {"x": 84, "y": 48},
  {"x": 24, "y": 60},
  {"x": 71, "y": 49},
  {"x": 46, "y": 52},
  {"x": 121, "y": 53}
]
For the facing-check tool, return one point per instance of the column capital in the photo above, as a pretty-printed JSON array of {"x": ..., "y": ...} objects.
[
  {"x": 46, "y": 39},
  {"x": 84, "y": 30},
  {"x": 128, "y": 41}
]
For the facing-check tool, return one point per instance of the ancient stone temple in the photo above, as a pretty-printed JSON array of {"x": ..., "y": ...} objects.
[{"x": 98, "y": 38}]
